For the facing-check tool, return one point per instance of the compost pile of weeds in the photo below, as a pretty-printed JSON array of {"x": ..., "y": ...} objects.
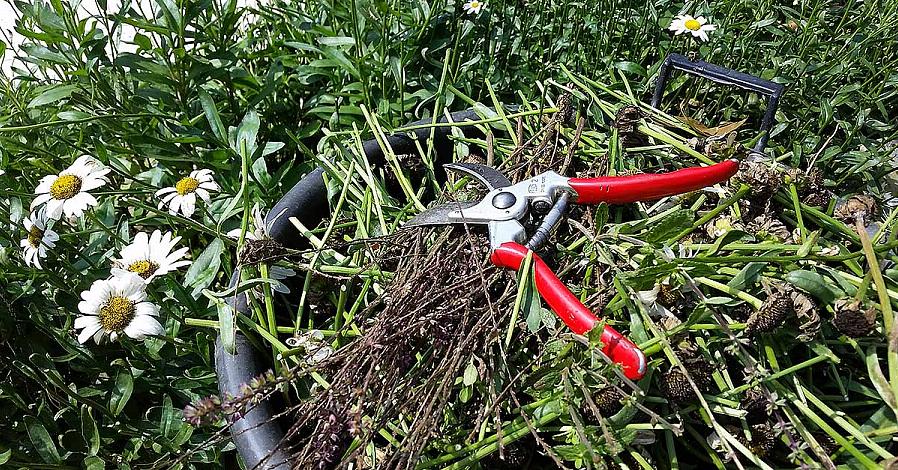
[{"x": 445, "y": 304}]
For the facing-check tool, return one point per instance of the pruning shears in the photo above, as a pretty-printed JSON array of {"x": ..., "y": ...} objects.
[
  {"x": 541, "y": 202},
  {"x": 507, "y": 207}
]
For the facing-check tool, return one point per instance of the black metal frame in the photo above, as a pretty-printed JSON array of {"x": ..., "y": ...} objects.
[{"x": 773, "y": 91}]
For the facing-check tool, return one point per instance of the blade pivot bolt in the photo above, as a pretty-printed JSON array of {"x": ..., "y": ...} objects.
[
  {"x": 504, "y": 200},
  {"x": 541, "y": 206}
]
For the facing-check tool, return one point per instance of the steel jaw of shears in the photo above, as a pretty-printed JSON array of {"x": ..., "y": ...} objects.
[{"x": 507, "y": 206}]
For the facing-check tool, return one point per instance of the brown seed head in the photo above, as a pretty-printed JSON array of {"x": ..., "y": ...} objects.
[{"x": 852, "y": 320}]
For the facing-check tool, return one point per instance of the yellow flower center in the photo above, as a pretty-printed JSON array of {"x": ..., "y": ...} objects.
[
  {"x": 65, "y": 187},
  {"x": 143, "y": 268},
  {"x": 692, "y": 25},
  {"x": 475, "y": 4},
  {"x": 186, "y": 185},
  {"x": 116, "y": 314},
  {"x": 35, "y": 235}
]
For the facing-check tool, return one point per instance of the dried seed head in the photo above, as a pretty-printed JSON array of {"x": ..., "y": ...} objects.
[
  {"x": 515, "y": 455},
  {"x": 771, "y": 315},
  {"x": 756, "y": 404},
  {"x": 667, "y": 295},
  {"x": 807, "y": 313},
  {"x": 608, "y": 401},
  {"x": 627, "y": 122},
  {"x": 852, "y": 320},
  {"x": 812, "y": 190},
  {"x": 565, "y": 106},
  {"x": 858, "y": 206},
  {"x": 676, "y": 388},
  {"x": 701, "y": 371},
  {"x": 767, "y": 227},
  {"x": 763, "y": 440},
  {"x": 260, "y": 251},
  {"x": 627, "y": 119},
  {"x": 763, "y": 179}
]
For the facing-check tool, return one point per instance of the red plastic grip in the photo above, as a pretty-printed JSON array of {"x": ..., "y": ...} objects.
[
  {"x": 571, "y": 311},
  {"x": 650, "y": 186}
]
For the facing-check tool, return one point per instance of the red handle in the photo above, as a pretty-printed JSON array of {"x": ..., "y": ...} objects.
[
  {"x": 577, "y": 317},
  {"x": 650, "y": 186}
]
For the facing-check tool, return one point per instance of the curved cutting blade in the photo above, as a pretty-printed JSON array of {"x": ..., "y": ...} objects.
[
  {"x": 439, "y": 214},
  {"x": 488, "y": 176}
]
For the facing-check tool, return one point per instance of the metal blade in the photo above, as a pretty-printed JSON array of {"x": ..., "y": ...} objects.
[
  {"x": 488, "y": 176},
  {"x": 439, "y": 214}
]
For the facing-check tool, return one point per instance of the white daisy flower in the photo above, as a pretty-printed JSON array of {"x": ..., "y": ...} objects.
[
  {"x": 699, "y": 27},
  {"x": 473, "y": 7},
  {"x": 39, "y": 238},
  {"x": 150, "y": 256},
  {"x": 115, "y": 306},
  {"x": 182, "y": 196},
  {"x": 67, "y": 192}
]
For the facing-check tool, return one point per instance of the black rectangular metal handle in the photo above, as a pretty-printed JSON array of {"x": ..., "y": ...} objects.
[{"x": 773, "y": 91}]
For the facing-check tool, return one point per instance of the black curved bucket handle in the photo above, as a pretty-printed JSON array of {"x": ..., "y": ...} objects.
[
  {"x": 773, "y": 91},
  {"x": 257, "y": 435}
]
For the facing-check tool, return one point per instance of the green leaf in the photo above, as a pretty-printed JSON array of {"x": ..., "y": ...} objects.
[
  {"x": 93, "y": 462},
  {"x": 727, "y": 238},
  {"x": 212, "y": 116},
  {"x": 336, "y": 41},
  {"x": 42, "y": 441},
  {"x": 89, "y": 430},
  {"x": 204, "y": 269},
  {"x": 72, "y": 115},
  {"x": 227, "y": 329},
  {"x": 670, "y": 226},
  {"x": 470, "y": 374},
  {"x": 465, "y": 394},
  {"x": 245, "y": 140},
  {"x": 340, "y": 59},
  {"x": 814, "y": 284},
  {"x": 4, "y": 456},
  {"x": 124, "y": 385},
  {"x": 171, "y": 13},
  {"x": 530, "y": 303},
  {"x": 747, "y": 276},
  {"x": 631, "y": 67},
  {"x": 880, "y": 382},
  {"x": 52, "y": 95}
]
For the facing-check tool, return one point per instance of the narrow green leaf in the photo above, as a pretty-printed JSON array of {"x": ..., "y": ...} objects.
[
  {"x": 227, "y": 328},
  {"x": 42, "y": 441},
  {"x": 747, "y": 276},
  {"x": 171, "y": 13},
  {"x": 212, "y": 116},
  {"x": 245, "y": 140},
  {"x": 669, "y": 226},
  {"x": 52, "y": 95},
  {"x": 531, "y": 303},
  {"x": 121, "y": 393},
  {"x": 89, "y": 431},
  {"x": 814, "y": 284},
  {"x": 880, "y": 382}
]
